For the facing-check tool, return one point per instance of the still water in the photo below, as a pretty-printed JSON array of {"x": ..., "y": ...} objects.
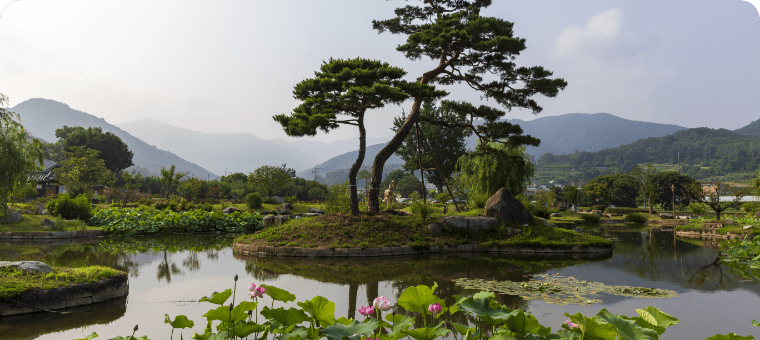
[{"x": 168, "y": 274}]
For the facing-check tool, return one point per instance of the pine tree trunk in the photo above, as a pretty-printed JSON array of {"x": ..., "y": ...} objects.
[{"x": 355, "y": 168}]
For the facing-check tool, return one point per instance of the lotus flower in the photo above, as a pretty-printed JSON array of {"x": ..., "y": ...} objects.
[
  {"x": 258, "y": 292},
  {"x": 571, "y": 324},
  {"x": 435, "y": 308},
  {"x": 367, "y": 311},
  {"x": 382, "y": 304},
  {"x": 252, "y": 287}
]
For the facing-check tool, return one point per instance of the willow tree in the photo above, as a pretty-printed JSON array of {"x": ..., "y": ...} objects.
[
  {"x": 348, "y": 88},
  {"x": 470, "y": 49},
  {"x": 19, "y": 153},
  {"x": 494, "y": 166}
]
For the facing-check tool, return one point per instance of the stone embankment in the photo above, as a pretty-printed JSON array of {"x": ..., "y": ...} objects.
[{"x": 49, "y": 235}]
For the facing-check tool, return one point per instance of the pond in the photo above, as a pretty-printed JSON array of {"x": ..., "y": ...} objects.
[{"x": 168, "y": 274}]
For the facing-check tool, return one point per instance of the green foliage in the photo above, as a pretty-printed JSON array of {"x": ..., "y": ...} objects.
[
  {"x": 591, "y": 218},
  {"x": 682, "y": 183},
  {"x": 636, "y": 218},
  {"x": 81, "y": 170},
  {"x": 698, "y": 208},
  {"x": 15, "y": 282},
  {"x": 253, "y": 201},
  {"x": 111, "y": 149},
  {"x": 538, "y": 210},
  {"x": 626, "y": 210},
  {"x": 479, "y": 200},
  {"x": 646, "y": 183},
  {"x": 63, "y": 206},
  {"x": 712, "y": 197},
  {"x": 751, "y": 208},
  {"x": 268, "y": 179},
  {"x": 494, "y": 166},
  {"x": 600, "y": 207},
  {"x": 143, "y": 221},
  {"x": 338, "y": 199},
  {"x": 170, "y": 179},
  {"x": 421, "y": 210}
]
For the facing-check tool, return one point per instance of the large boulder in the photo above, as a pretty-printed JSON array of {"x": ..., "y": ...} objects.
[
  {"x": 48, "y": 223},
  {"x": 287, "y": 206},
  {"x": 729, "y": 222},
  {"x": 315, "y": 210},
  {"x": 277, "y": 199},
  {"x": 229, "y": 210},
  {"x": 30, "y": 266},
  {"x": 506, "y": 208},
  {"x": 470, "y": 223},
  {"x": 12, "y": 218}
]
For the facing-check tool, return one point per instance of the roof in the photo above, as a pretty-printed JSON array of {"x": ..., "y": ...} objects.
[{"x": 46, "y": 175}]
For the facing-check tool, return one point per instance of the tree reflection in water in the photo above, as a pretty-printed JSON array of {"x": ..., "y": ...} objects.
[{"x": 166, "y": 269}]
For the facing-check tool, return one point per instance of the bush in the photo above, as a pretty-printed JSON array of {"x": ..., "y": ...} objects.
[
  {"x": 751, "y": 208},
  {"x": 636, "y": 218},
  {"x": 290, "y": 199},
  {"x": 591, "y": 218},
  {"x": 63, "y": 206},
  {"x": 161, "y": 205},
  {"x": 144, "y": 221},
  {"x": 698, "y": 208},
  {"x": 268, "y": 200},
  {"x": 422, "y": 211},
  {"x": 538, "y": 210},
  {"x": 182, "y": 206},
  {"x": 338, "y": 200},
  {"x": 253, "y": 201},
  {"x": 479, "y": 200},
  {"x": 207, "y": 207},
  {"x": 626, "y": 211},
  {"x": 599, "y": 207}
]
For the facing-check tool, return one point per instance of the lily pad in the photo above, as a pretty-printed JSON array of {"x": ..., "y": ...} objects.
[{"x": 561, "y": 290}]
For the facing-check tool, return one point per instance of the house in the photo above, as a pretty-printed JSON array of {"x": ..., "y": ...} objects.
[{"x": 45, "y": 179}]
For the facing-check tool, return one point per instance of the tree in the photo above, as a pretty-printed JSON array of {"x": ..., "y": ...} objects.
[
  {"x": 471, "y": 49},
  {"x": 269, "y": 179},
  {"x": 711, "y": 196},
  {"x": 348, "y": 88},
  {"x": 623, "y": 189},
  {"x": 82, "y": 169},
  {"x": 664, "y": 193},
  {"x": 597, "y": 191},
  {"x": 572, "y": 194},
  {"x": 169, "y": 178},
  {"x": 132, "y": 184},
  {"x": 112, "y": 149},
  {"x": 19, "y": 153},
  {"x": 647, "y": 186},
  {"x": 494, "y": 166},
  {"x": 190, "y": 188},
  {"x": 446, "y": 145}
]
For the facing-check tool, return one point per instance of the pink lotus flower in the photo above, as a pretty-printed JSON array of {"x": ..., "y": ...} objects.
[
  {"x": 435, "y": 308},
  {"x": 252, "y": 287},
  {"x": 367, "y": 311},
  {"x": 571, "y": 324},
  {"x": 382, "y": 304},
  {"x": 258, "y": 292}
]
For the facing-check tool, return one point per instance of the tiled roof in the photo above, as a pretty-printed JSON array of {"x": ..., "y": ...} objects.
[{"x": 41, "y": 176}]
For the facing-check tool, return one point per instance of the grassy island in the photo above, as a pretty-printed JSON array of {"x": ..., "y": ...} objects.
[
  {"x": 397, "y": 229},
  {"x": 15, "y": 282}
]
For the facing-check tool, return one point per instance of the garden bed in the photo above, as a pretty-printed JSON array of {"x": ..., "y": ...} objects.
[{"x": 390, "y": 233}]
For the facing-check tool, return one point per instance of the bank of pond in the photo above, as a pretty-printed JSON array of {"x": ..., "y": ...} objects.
[{"x": 170, "y": 274}]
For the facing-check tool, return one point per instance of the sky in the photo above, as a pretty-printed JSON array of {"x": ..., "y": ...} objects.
[{"x": 229, "y": 66}]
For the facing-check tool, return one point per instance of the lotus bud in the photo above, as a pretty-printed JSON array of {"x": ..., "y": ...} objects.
[{"x": 236, "y": 277}]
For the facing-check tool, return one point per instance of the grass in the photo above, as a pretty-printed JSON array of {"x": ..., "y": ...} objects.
[
  {"x": 394, "y": 229},
  {"x": 734, "y": 229},
  {"x": 32, "y": 223},
  {"x": 16, "y": 282}
]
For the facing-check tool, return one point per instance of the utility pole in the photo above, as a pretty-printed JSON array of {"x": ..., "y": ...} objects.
[
  {"x": 315, "y": 172},
  {"x": 679, "y": 162}
]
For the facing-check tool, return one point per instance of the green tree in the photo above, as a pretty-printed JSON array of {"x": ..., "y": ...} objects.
[
  {"x": 82, "y": 169},
  {"x": 348, "y": 88},
  {"x": 190, "y": 189},
  {"x": 269, "y": 179},
  {"x": 19, "y": 153},
  {"x": 681, "y": 182},
  {"x": 494, "y": 166},
  {"x": 447, "y": 145},
  {"x": 132, "y": 184},
  {"x": 711, "y": 196},
  {"x": 169, "y": 178},
  {"x": 470, "y": 49},
  {"x": 645, "y": 181},
  {"x": 598, "y": 191},
  {"x": 623, "y": 189},
  {"x": 112, "y": 149},
  {"x": 572, "y": 194}
]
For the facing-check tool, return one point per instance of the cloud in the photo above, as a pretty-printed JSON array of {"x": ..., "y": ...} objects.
[{"x": 601, "y": 32}]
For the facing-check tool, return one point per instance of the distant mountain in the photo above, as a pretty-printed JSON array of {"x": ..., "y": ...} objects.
[
  {"x": 43, "y": 116},
  {"x": 703, "y": 153},
  {"x": 751, "y": 130},
  {"x": 235, "y": 152},
  {"x": 336, "y": 169},
  {"x": 567, "y": 133}
]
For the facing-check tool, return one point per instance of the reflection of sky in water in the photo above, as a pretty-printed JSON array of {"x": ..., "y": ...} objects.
[{"x": 712, "y": 298}]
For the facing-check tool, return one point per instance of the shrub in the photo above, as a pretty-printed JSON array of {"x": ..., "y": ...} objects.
[
  {"x": 182, "y": 206},
  {"x": 290, "y": 199},
  {"x": 626, "y": 211},
  {"x": 599, "y": 207},
  {"x": 338, "y": 200},
  {"x": 591, "y": 218},
  {"x": 636, "y": 218},
  {"x": 479, "y": 200},
  {"x": 538, "y": 210},
  {"x": 751, "y": 208},
  {"x": 207, "y": 207},
  {"x": 422, "y": 211},
  {"x": 253, "y": 201},
  {"x": 63, "y": 206},
  {"x": 268, "y": 200},
  {"x": 698, "y": 208},
  {"x": 161, "y": 205}
]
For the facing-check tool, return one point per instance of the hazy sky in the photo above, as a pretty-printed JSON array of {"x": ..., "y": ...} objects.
[{"x": 228, "y": 66}]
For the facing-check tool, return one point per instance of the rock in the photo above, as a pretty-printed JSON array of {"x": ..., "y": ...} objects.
[
  {"x": 315, "y": 210},
  {"x": 277, "y": 199},
  {"x": 554, "y": 215},
  {"x": 44, "y": 212},
  {"x": 268, "y": 221},
  {"x": 311, "y": 215},
  {"x": 229, "y": 210},
  {"x": 747, "y": 227},
  {"x": 283, "y": 211},
  {"x": 666, "y": 216},
  {"x": 551, "y": 225},
  {"x": 279, "y": 220},
  {"x": 287, "y": 206},
  {"x": 434, "y": 228},
  {"x": 597, "y": 213},
  {"x": 12, "y": 218},
  {"x": 30, "y": 266},
  {"x": 512, "y": 231},
  {"x": 506, "y": 208},
  {"x": 48, "y": 223},
  {"x": 729, "y": 222},
  {"x": 712, "y": 225},
  {"x": 683, "y": 217},
  {"x": 267, "y": 212},
  {"x": 470, "y": 223},
  {"x": 542, "y": 221}
]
